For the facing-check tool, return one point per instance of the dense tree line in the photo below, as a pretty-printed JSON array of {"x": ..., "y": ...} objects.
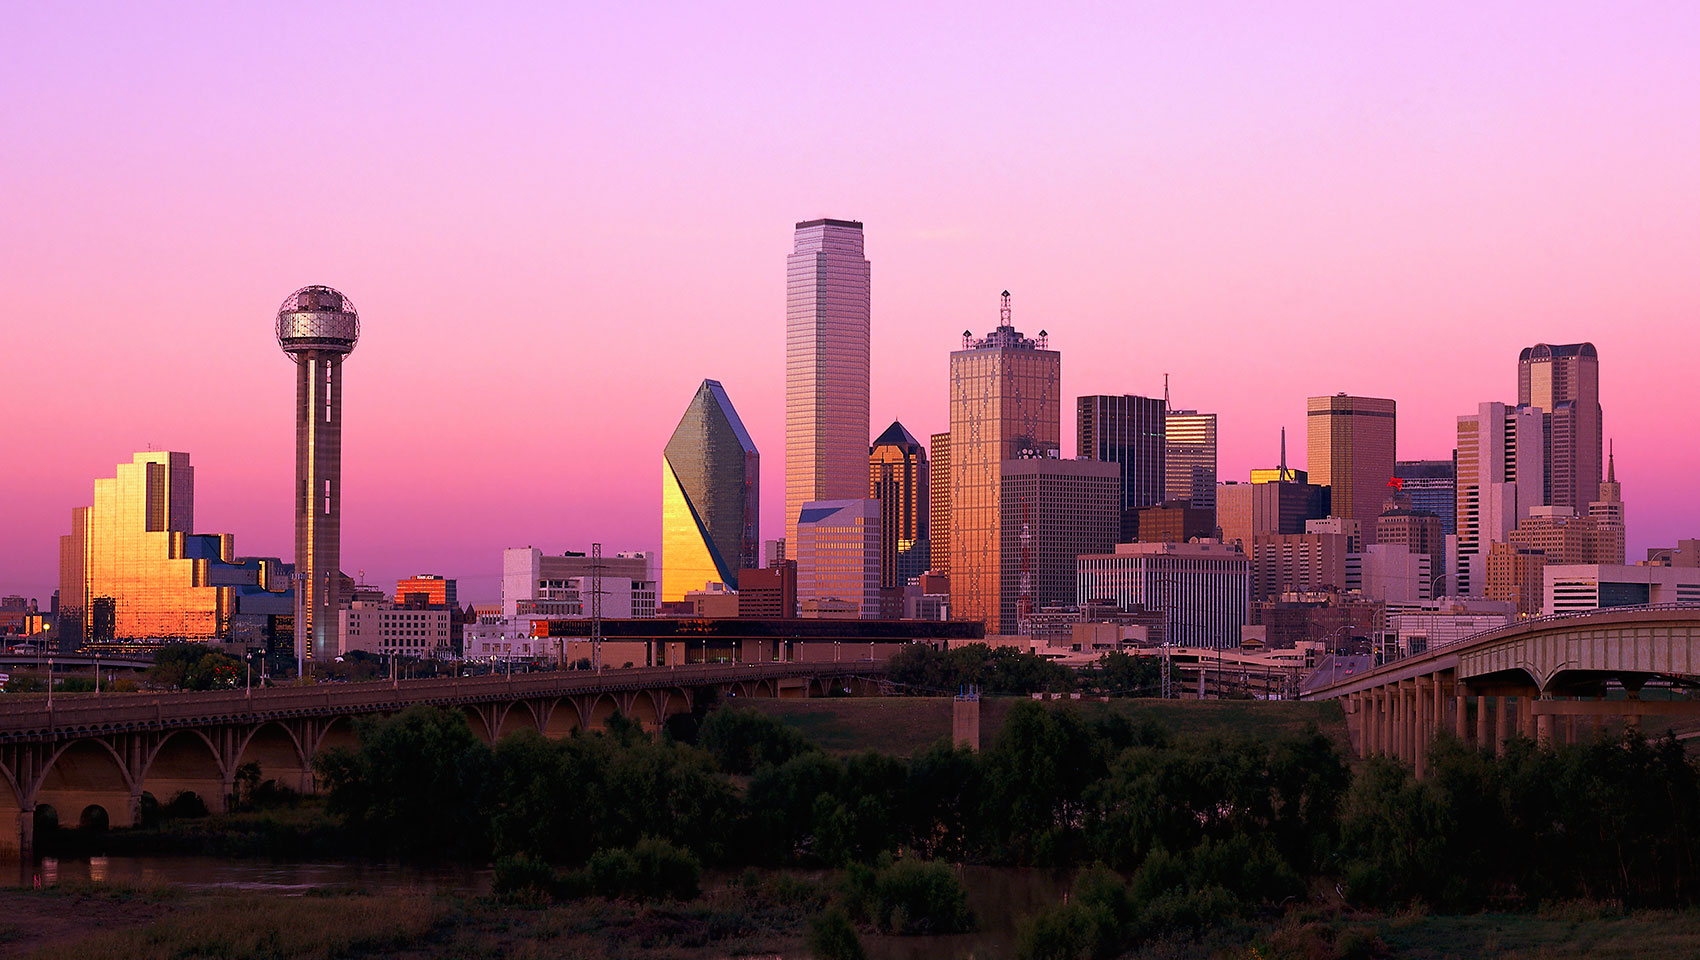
[
  {"x": 1007, "y": 670},
  {"x": 1177, "y": 833}
]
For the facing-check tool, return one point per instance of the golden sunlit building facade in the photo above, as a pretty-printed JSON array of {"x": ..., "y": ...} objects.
[
  {"x": 132, "y": 569},
  {"x": 710, "y": 480},
  {"x": 898, "y": 479}
]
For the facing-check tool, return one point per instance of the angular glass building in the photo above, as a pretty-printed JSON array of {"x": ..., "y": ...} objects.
[
  {"x": 710, "y": 477},
  {"x": 898, "y": 477}
]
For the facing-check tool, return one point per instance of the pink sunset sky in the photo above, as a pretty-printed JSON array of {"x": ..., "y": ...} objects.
[{"x": 557, "y": 220}]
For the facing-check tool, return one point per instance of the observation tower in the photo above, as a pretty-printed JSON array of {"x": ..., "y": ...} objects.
[{"x": 317, "y": 327}]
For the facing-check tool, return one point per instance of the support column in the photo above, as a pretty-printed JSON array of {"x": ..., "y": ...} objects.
[
  {"x": 1461, "y": 715},
  {"x": 1526, "y": 716},
  {"x": 1543, "y": 727},
  {"x": 1383, "y": 722},
  {"x": 1501, "y": 724},
  {"x": 1424, "y": 725},
  {"x": 1484, "y": 737}
]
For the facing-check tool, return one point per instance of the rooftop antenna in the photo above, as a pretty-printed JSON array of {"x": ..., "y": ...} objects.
[
  {"x": 1283, "y": 474},
  {"x": 1165, "y": 391}
]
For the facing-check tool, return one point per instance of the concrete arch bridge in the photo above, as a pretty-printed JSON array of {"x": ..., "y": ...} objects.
[
  {"x": 92, "y": 758},
  {"x": 1549, "y": 678}
]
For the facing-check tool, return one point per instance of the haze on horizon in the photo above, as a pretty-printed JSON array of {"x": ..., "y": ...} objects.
[{"x": 557, "y": 222}]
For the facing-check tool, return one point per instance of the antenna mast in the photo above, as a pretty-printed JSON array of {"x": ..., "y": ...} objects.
[
  {"x": 1283, "y": 473},
  {"x": 596, "y": 607}
]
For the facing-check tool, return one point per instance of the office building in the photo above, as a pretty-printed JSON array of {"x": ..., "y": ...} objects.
[
  {"x": 392, "y": 629},
  {"x": 1005, "y": 404},
  {"x": 1350, "y": 443},
  {"x": 938, "y": 483},
  {"x": 535, "y": 583},
  {"x": 1608, "y": 513},
  {"x": 1686, "y": 553},
  {"x": 826, "y": 366},
  {"x": 1129, "y": 432},
  {"x": 1297, "y": 563},
  {"x": 318, "y": 327},
  {"x": 1172, "y": 521},
  {"x": 1432, "y": 486},
  {"x": 769, "y": 593},
  {"x": 838, "y": 558},
  {"x": 898, "y": 478},
  {"x": 1248, "y": 510},
  {"x": 427, "y": 591},
  {"x": 1425, "y": 626},
  {"x": 1403, "y": 524},
  {"x": 1347, "y": 527},
  {"x": 1515, "y": 575},
  {"x": 772, "y": 552},
  {"x": 710, "y": 480},
  {"x": 132, "y": 569},
  {"x": 1500, "y": 480},
  {"x": 1562, "y": 537},
  {"x": 1053, "y": 511},
  {"x": 1579, "y": 588},
  {"x": 1202, "y": 589},
  {"x": 1190, "y": 458},
  {"x": 1562, "y": 381},
  {"x": 1390, "y": 573}
]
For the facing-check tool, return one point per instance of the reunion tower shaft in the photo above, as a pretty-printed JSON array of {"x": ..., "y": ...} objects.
[{"x": 317, "y": 327}]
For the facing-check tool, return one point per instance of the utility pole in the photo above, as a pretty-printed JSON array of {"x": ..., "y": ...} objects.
[{"x": 596, "y": 606}]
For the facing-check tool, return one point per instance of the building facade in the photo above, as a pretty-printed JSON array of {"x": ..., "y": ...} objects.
[
  {"x": 769, "y": 593},
  {"x": 390, "y": 629},
  {"x": 1562, "y": 381},
  {"x": 710, "y": 483},
  {"x": 1190, "y": 458},
  {"x": 1298, "y": 563},
  {"x": 827, "y": 341},
  {"x": 1578, "y": 588},
  {"x": 1202, "y": 589},
  {"x": 1500, "y": 480},
  {"x": 1129, "y": 432},
  {"x": 1248, "y": 510},
  {"x": 898, "y": 477},
  {"x": 1053, "y": 512},
  {"x": 1350, "y": 443},
  {"x": 132, "y": 569},
  {"x": 1432, "y": 485},
  {"x": 838, "y": 557},
  {"x": 1005, "y": 404},
  {"x": 535, "y": 583},
  {"x": 1608, "y": 513}
]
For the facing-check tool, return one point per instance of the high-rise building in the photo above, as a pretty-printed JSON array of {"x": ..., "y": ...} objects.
[
  {"x": 1500, "y": 480},
  {"x": 769, "y": 593},
  {"x": 1202, "y": 589},
  {"x": 1128, "y": 431},
  {"x": 1248, "y": 510},
  {"x": 1005, "y": 404},
  {"x": 938, "y": 528},
  {"x": 1402, "y": 523},
  {"x": 1298, "y": 563},
  {"x": 1562, "y": 381},
  {"x": 1432, "y": 485},
  {"x": 898, "y": 478},
  {"x": 426, "y": 590},
  {"x": 826, "y": 367},
  {"x": 1190, "y": 458},
  {"x": 1052, "y": 512},
  {"x": 710, "y": 479},
  {"x": 133, "y": 569},
  {"x": 1607, "y": 511},
  {"x": 318, "y": 327},
  {"x": 838, "y": 557},
  {"x": 1350, "y": 443}
]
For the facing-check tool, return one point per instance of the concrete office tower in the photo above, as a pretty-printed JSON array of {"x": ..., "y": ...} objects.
[
  {"x": 1005, "y": 404},
  {"x": 826, "y": 367},
  {"x": 898, "y": 479},
  {"x": 1129, "y": 432},
  {"x": 1607, "y": 511},
  {"x": 1245, "y": 511},
  {"x": 710, "y": 479},
  {"x": 1432, "y": 485},
  {"x": 1562, "y": 381},
  {"x": 318, "y": 327},
  {"x": 1202, "y": 589},
  {"x": 133, "y": 569},
  {"x": 1419, "y": 531},
  {"x": 1190, "y": 461},
  {"x": 1350, "y": 445},
  {"x": 1500, "y": 480},
  {"x": 838, "y": 558},
  {"x": 938, "y": 527},
  {"x": 1053, "y": 511},
  {"x": 1297, "y": 563}
]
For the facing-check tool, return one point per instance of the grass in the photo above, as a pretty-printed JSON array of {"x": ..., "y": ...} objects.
[
  {"x": 1555, "y": 934},
  {"x": 904, "y": 726}
]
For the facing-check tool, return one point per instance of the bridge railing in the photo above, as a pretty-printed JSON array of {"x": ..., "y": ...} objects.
[{"x": 87, "y": 711}]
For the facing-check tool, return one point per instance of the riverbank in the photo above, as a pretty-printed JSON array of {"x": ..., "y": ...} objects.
[{"x": 105, "y": 922}]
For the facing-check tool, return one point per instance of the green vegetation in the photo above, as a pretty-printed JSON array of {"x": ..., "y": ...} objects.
[
  {"x": 191, "y": 666},
  {"x": 908, "y": 897},
  {"x": 1005, "y": 670}
]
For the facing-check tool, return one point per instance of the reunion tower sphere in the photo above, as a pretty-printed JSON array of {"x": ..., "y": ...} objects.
[{"x": 317, "y": 318}]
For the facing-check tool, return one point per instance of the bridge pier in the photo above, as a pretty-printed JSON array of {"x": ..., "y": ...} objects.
[{"x": 1483, "y": 738}]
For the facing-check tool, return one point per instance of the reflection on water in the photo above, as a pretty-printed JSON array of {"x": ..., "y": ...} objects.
[
  {"x": 260, "y": 875},
  {"x": 1001, "y": 897}
]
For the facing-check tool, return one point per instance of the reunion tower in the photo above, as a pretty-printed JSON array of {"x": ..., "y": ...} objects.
[{"x": 317, "y": 327}]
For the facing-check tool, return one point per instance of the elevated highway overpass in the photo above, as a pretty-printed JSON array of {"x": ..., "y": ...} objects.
[{"x": 1548, "y": 678}]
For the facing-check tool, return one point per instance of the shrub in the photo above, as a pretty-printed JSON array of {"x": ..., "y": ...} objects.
[
  {"x": 909, "y": 897},
  {"x": 653, "y": 869},
  {"x": 833, "y": 937},
  {"x": 520, "y": 879},
  {"x": 742, "y": 740}
]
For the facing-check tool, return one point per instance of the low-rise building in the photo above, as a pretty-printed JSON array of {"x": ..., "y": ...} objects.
[
  {"x": 395, "y": 629},
  {"x": 1203, "y": 588},
  {"x": 1578, "y": 588}
]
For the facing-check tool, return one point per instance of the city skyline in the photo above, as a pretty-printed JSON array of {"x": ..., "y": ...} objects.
[{"x": 1516, "y": 202}]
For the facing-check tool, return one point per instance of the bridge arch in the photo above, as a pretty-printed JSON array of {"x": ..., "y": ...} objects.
[
  {"x": 642, "y": 710},
  {"x": 601, "y": 708},
  {"x": 185, "y": 761},
  {"x": 278, "y": 753},
  {"x": 564, "y": 719},
  {"x": 515, "y": 717},
  {"x": 84, "y": 773},
  {"x": 339, "y": 732},
  {"x": 673, "y": 701},
  {"x": 478, "y": 718}
]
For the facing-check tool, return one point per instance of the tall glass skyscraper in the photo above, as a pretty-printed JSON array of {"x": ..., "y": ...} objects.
[
  {"x": 710, "y": 480},
  {"x": 1129, "y": 432},
  {"x": 898, "y": 479},
  {"x": 1562, "y": 381},
  {"x": 826, "y": 367},
  {"x": 1191, "y": 460},
  {"x": 1351, "y": 444},
  {"x": 1005, "y": 403}
]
